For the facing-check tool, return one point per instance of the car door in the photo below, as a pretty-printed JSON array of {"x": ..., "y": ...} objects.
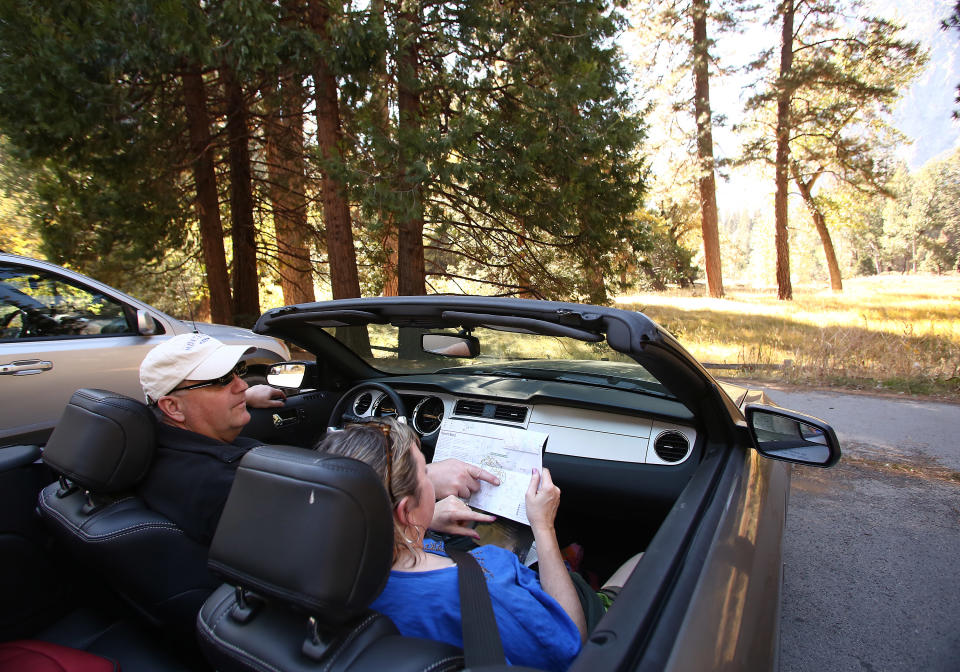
[{"x": 57, "y": 335}]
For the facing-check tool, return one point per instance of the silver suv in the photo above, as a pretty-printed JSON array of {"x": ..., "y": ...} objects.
[{"x": 60, "y": 331}]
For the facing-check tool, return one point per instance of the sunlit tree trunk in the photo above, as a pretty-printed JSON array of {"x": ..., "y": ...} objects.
[
  {"x": 706, "y": 178},
  {"x": 380, "y": 102},
  {"x": 344, "y": 279},
  {"x": 207, "y": 201},
  {"x": 784, "y": 287},
  {"x": 246, "y": 284},
  {"x": 411, "y": 271},
  {"x": 820, "y": 222},
  {"x": 286, "y": 169}
]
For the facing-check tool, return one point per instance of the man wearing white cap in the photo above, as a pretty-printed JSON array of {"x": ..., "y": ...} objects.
[{"x": 193, "y": 381}]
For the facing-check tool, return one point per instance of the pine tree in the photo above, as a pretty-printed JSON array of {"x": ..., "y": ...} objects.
[{"x": 839, "y": 74}]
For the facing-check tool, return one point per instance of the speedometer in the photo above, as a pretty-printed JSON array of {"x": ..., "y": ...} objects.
[
  {"x": 384, "y": 407},
  {"x": 427, "y": 415}
]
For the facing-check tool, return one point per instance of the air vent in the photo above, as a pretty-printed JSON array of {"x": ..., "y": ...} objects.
[
  {"x": 362, "y": 403},
  {"x": 671, "y": 446},
  {"x": 510, "y": 413},
  {"x": 472, "y": 408}
]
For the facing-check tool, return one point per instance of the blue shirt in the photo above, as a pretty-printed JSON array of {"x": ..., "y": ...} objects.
[{"x": 534, "y": 628}]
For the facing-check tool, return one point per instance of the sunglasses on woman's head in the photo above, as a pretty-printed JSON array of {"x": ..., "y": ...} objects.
[
  {"x": 385, "y": 430},
  {"x": 240, "y": 370}
]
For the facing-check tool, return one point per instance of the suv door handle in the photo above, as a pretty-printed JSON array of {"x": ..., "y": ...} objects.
[{"x": 25, "y": 367}]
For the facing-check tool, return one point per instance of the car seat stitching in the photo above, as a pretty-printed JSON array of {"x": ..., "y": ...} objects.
[
  {"x": 80, "y": 532},
  {"x": 216, "y": 640},
  {"x": 352, "y": 635}
]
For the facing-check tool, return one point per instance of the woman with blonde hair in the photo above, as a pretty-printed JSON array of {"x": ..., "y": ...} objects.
[{"x": 540, "y": 617}]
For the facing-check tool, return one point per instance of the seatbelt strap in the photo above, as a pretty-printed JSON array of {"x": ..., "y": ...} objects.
[{"x": 481, "y": 638}]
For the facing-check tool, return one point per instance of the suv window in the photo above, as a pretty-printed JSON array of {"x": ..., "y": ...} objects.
[{"x": 37, "y": 304}]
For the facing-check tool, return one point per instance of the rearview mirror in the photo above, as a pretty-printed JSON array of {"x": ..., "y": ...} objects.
[
  {"x": 287, "y": 374},
  {"x": 449, "y": 345},
  {"x": 794, "y": 437}
]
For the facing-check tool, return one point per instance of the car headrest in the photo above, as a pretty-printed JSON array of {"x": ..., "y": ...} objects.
[
  {"x": 104, "y": 441},
  {"x": 313, "y": 530}
]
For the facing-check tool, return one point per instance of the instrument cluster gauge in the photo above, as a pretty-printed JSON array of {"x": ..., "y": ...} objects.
[{"x": 427, "y": 415}]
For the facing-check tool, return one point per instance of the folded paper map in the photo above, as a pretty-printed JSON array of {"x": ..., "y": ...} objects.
[{"x": 509, "y": 453}]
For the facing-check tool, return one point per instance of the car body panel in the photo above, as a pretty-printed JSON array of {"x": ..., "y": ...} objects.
[
  {"x": 38, "y": 374},
  {"x": 706, "y": 594},
  {"x": 737, "y": 596}
]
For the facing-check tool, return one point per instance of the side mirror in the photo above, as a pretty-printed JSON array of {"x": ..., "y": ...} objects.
[
  {"x": 794, "y": 437},
  {"x": 146, "y": 324},
  {"x": 287, "y": 374},
  {"x": 448, "y": 345}
]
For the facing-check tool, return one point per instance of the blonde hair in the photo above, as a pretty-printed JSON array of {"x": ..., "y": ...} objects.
[{"x": 367, "y": 442}]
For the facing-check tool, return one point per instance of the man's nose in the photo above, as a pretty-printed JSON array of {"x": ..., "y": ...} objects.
[{"x": 239, "y": 384}]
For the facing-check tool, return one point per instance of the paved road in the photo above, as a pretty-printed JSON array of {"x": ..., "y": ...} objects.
[{"x": 872, "y": 549}]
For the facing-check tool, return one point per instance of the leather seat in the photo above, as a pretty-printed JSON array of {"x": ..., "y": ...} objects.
[
  {"x": 305, "y": 544},
  {"x": 103, "y": 447}
]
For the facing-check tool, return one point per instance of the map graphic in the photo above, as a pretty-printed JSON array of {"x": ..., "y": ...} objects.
[{"x": 510, "y": 453}]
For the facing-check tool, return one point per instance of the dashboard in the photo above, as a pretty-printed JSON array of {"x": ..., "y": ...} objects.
[{"x": 574, "y": 432}]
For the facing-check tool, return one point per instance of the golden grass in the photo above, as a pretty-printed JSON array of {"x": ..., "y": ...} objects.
[{"x": 890, "y": 331}]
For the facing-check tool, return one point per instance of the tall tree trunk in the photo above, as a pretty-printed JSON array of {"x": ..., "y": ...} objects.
[
  {"x": 208, "y": 201},
  {"x": 380, "y": 102},
  {"x": 707, "y": 179},
  {"x": 246, "y": 284},
  {"x": 411, "y": 270},
  {"x": 344, "y": 279},
  {"x": 785, "y": 90},
  {"x": 820, "y": 222},
  {"x": 286, "y": 168}
]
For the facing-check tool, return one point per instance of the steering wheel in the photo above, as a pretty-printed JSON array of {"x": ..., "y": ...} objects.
[
  {"x": 339, "y": 414},
  {"x": 10, "y": 316}
]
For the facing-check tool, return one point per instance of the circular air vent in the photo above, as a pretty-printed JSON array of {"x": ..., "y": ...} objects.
[
  {"x": 362, "y": 403},
  {"x": 671, "y": 446}
]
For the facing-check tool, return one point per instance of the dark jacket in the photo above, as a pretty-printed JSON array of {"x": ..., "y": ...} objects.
[{"x": 191, "y": 478}]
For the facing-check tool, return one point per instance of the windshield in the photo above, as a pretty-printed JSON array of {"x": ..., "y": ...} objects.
[{"x": 397, "y": 350}]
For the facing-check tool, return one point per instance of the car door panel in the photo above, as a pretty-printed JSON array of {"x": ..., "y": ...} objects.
[{"x": 32, "y": 402}]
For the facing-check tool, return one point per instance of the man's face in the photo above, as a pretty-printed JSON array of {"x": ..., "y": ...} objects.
[{"x": 217, "y": 412}]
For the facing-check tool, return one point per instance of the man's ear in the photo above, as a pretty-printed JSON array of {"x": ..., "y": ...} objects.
[{"x": 172, "y": 408}]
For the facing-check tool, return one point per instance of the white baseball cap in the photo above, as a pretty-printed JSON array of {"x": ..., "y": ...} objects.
[{"x": 186, "y": 357}]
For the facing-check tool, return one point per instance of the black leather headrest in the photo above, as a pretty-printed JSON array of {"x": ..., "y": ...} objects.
[
  {"x": 313, "y": 530},
  {"x": 104, "y": 441}
]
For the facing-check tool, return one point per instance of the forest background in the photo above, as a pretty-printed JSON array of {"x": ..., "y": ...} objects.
[{"x": 220, "y": 158}]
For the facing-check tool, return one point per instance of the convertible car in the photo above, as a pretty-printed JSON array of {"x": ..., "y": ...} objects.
[{"x": 651, "y": 454}]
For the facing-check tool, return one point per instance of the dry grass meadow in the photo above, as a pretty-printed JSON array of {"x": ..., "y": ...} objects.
[{"x": 899, "y": 333}]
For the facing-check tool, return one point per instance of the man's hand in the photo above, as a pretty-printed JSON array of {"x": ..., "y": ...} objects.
[
  {"x": 452, "y": 516},
  {"x": 264, "y": 396},
  {"x": 543, "y": 500},
  {"x": 453, "y": 477}
]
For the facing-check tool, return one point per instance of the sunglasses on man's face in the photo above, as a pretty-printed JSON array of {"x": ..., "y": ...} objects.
[{"x": 240, "y": 370}]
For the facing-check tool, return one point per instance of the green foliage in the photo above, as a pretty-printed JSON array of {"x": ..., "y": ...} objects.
[
  {"x": 83, "y": 107},
  {"x": 848, "y": 70},
  {"x": 527, "y": 147},
  {"x": 17, "y": 200},
  {"x": 922, "y": 226},
  {"x": 526, "y": 150},
  {"x": 667, "y": 260}
]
